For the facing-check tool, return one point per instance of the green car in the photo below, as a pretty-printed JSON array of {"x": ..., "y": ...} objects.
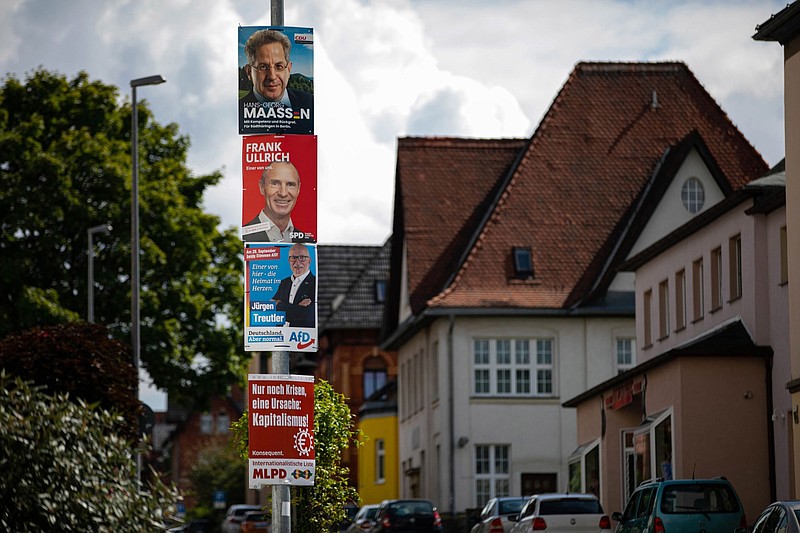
[{"x": 683, "y": 505}]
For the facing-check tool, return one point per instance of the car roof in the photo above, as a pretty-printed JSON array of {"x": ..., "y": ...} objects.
[{"x": 561, "y": 495}]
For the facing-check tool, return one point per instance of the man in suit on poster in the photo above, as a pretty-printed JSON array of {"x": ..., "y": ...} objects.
[
  {"x": 280, "y": 186},
  {"x": 269, "y": 69},
  {"x": 297, "y": 294}
]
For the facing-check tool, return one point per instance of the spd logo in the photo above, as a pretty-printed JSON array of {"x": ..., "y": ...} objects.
[{"x": 302, "y": 339}]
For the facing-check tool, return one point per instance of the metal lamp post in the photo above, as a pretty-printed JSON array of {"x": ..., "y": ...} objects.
[
  {"x": 135, "y": 339},
  {"x": 102, "y": 228}
]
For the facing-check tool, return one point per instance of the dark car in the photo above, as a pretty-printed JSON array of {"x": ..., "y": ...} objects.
[{"x": 407, "y": 516}]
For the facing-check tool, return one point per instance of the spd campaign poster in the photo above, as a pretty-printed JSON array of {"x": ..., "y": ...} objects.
[
  {"x": 280, "y": 412},
  {"x": 279, "y": 188},
  {"x": 280, "y": 297},
  {"x": 276, "y": 80}
]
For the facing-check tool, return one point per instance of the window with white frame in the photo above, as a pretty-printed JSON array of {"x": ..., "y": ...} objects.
[
  {"x": 513, "y": 367},
  {"x": 716, "y": 278},
  {"x": 206, "y": 423},
  {"x": 625, "y": 350},
  {"x": 492, "y": 476},
  {"x": 735, "y": 267},
  {"x": 380, "y": 461},
  {"x": 584, "y": 469},
  {"x": 680, "y": 299},
  {"x": 223, "y": 422}
]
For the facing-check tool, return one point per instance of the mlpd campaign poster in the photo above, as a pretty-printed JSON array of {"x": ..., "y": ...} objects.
[
  {"x": 279, "y": 188},
  {"x": 280, "y": 412},
  {"x": 280, "y": 299},
  {"x": 276, "y": 80}
]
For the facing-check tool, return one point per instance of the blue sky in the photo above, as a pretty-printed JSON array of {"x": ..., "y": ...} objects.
[{"x": 385, "y": 69}]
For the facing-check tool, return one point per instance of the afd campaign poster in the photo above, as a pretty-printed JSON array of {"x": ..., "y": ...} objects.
[
  {"x": 279, "y": 188},
  {"x": 280, "y": 412},
  {"x": 276, "y": 80},
  {"x": 280, "y": 297}
]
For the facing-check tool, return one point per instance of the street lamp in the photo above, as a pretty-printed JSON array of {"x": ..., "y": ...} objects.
[
  {"x": 135, "y": 340},
  {"x": 102, "y": 228}
]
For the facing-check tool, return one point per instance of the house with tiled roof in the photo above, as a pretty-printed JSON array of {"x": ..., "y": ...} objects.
[
  {"x": 351, "y": 294},
  {"x": 505, "y": 295},
  {"x": 713, "y": 356}
]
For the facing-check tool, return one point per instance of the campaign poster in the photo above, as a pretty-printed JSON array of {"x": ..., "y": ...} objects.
[
  {"x": 280, "y": 297},
  {"x": 280, "y": 413},
  {"x": 279, "y": 188},
  {"x": 276, "y": 80}
]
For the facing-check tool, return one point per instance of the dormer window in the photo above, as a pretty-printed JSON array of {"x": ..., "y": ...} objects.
[
  {"x": 380, "y": 291},
  {"x": 523, "y": 262}
]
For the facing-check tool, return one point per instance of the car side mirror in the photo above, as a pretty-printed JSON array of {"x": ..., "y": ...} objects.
[{"x": 616, "y": 515}]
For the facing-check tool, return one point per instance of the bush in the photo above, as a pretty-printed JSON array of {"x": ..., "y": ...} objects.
[{"x": 65, "y": 469}]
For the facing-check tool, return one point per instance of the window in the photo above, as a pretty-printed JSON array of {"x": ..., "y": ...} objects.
[
  {"x": 492, "y": 478},
  {"x": 653, "y": 448},
  {"x": 523, "y": 262},
  {"x": 647, "y": 318},
  {"x": 680, "y": 300},
  {"x": 206, "y": 423},
  {"x": 625, "y": 350},
  {"x": 506, "y": 367},
  {"x": 716, "y": 279},
  {"x": 784, "y": 257},
  {"x": 380, "y": 291},
  {"x": 374, "y": 375},
  {"x": 663, "y": 309},
  {"x": 223, "y": 422},
  {"x": 434, "y": 371},
  {"x": 735, "y": 266},
  {"x": 584, "y": 469},
  {"x": 380, "y": 461},
  {"x": 692, "y": 195},
  {"x": 698, "y": 290}
]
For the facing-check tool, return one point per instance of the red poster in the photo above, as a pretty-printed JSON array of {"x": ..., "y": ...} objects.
[
  {"x": 280, "y": 412},
  {"x": 279, "y": 188}
]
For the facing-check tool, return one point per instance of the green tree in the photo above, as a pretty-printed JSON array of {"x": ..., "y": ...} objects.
[
  {"x": 65, "y": 166},
  {"x": 78, "y": 359},
  {"x": 64, "y": 468},
  {"x": 217, "y": 468},
  {"x": 320, "y": 507}
]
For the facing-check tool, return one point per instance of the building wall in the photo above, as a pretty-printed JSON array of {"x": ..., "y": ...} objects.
[
  {"x": 792, "y": 125},
  {"x": 372, "y": 490},
  {"x": 717, "y": 406},
  {"x": 541, "y": 434}
]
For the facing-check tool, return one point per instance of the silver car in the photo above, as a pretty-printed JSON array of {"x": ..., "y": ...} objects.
[
  {"x": 494, "y": 515},
  {"x": 781, "y": 516}
]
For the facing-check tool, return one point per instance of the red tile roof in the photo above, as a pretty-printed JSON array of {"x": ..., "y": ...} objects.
[{"x": 571, "y": 190}]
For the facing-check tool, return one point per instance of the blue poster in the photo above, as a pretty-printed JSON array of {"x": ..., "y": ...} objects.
[{"x": 280, "y": 301}]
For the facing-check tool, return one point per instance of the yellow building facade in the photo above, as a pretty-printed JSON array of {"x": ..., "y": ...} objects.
[{"x": 378, "y": 470}]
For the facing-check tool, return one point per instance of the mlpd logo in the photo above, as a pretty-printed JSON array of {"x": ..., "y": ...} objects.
[{"x": 302, "y": 339}]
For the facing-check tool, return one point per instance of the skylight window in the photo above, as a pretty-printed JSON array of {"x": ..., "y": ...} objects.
[{"x": 523, "y": 262}]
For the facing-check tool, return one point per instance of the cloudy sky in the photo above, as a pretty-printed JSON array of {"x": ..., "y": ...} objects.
[{"x": 392, "y": 68}]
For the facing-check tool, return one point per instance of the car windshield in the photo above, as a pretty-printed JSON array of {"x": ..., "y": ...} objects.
[
  {"x": 408, "y": 508},
  {"x": 371, "y": 512},
  {"x": 511, "y": 506},
  {"x": 699, "y": 498},
  {"x": 570, "y": 506}
]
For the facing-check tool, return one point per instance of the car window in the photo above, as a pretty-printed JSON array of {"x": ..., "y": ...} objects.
[
  {"x": 570, "y": 506},
  {"x": 630, "y": 509},
  {"x": 411, "y": 508},
  {"x": 646, "y": 502},
  {"x": 371, "y": 512},
  {"x": 528, "y": 509},
  {"x": 705, "y": 498},
  {"x": 487, "y": 509},
  {"x": 511, "y": 506},
  {"x": 759, "y": 526}
]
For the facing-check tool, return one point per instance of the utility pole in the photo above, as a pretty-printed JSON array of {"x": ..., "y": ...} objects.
[{"x": 281, "y": 494}]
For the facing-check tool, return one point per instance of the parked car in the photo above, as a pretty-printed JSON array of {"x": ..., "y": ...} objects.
[
  {"x": 254, "y": 521},
  {"x": 560, "y": 513},
  {"x": 407, "y": 516},
  {"x": 364, "y": 519},
  {"x": 350, "y": 511},
  {"x": 494, "y": 515},
  {"x": 781, "y": 516},
  {"x": 234, "y": 515},
  {"x": 709, "y": 505}
]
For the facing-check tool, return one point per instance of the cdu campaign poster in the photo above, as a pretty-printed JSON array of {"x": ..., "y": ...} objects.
[
  {"x": 280, "y": 297},
  {"x": 279, "y": 188},
  {"x": 280, "y": 413},
  {"x": 276, "y": 80}
]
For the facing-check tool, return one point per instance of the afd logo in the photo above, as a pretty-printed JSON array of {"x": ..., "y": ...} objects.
[{"x": 302, "y": 339}]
